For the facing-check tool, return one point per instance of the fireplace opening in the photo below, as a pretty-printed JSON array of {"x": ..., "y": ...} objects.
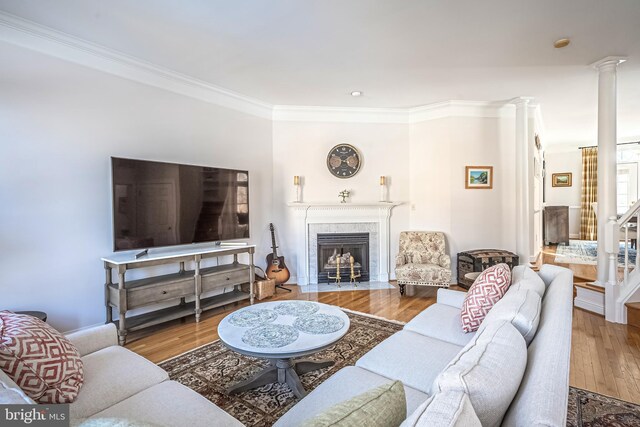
[{"x": 336, "y": 249}]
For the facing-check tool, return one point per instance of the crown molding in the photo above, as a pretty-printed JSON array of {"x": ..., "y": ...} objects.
[
  {"x": 299, "y": 113},
  {"x": 295, "y": 113},
  {"x": 30, "y": 35}
]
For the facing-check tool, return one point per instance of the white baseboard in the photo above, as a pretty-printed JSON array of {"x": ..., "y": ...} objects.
[{"x": 589, "y": 300}]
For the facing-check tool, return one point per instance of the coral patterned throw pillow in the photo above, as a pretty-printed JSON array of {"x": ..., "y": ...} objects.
[
  {"x": 487, "y": 290},
  {"x": 44, "y": 364}
]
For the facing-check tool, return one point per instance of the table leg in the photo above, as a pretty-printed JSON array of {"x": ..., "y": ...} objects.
[
  {"x": 283, "y": 371},
  {"x": 308, "y": 365},
  {"x": 268, "y": 376}
]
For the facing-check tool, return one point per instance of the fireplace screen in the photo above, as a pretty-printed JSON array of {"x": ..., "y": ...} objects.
[{"x": 335, "y": 251}]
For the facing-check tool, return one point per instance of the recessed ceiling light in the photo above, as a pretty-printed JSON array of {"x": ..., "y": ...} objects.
[
  {"x": 560, "y": 43},
  {"x": 356, "y": 93}
]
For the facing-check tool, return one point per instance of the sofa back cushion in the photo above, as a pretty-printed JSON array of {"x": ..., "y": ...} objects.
[
  {"x": 10, "y": 393},
  {"x": 519, "y": 307},
  {"x": 524, "y": 278},
  {"x": 489, "y": 369},
  {"x": 486, "y": 290},
  {"x": 40, "y": 360},
  {"x": 542, "y": 397},
  {"x": 451, "y": 408}
]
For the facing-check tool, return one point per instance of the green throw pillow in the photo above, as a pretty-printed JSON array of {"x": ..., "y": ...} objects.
[{"x": 383, "y": 406}]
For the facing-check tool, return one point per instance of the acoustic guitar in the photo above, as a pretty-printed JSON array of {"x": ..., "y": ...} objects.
[{"x": 276, "y": 268}]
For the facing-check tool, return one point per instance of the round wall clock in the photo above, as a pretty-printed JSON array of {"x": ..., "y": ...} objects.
[{"x": 344, "y": 161}]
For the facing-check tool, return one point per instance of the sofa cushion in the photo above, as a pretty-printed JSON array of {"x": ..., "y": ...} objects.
[
  {"x": 414, "y": 359},
  {"x": 112, "y": 375},
  {"x": 542, "y": 396},
  {"x": 382, "y": 406},
  {"x": 40, "y": 360},
  {"x": 524, "y": 278},
  {"x": 170, "y": 404},
  {"x": 333, "y": 391},
  {"x": 440, "y": 321},
  {"x": 451, "y": 408},
  {"x": 11, "y": 394},
  {"x": 521, "y": 308},
  {"x": 487, "y": 289},
  {"x": 489, "y": 369}
]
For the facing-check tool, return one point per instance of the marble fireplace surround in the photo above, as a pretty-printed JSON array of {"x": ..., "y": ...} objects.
[{"x": 314, "y": 218}]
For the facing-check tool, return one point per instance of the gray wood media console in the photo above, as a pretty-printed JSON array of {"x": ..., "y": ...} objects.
[{"x": 124, "y": 296}]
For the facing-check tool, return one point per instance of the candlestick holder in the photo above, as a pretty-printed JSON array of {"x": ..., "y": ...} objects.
[
  {"x": 297, "y": 182},
  {"x": 384, "y": 194}
]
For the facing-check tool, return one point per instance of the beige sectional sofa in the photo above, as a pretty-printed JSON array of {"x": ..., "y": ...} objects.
[
  {"x": 519, "y": 358},
  {"x": 431, "y": 351}
]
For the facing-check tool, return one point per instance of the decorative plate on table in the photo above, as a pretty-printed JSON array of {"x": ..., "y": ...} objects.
[
  {"x": 319, "y": 324},
  {"x": 270, "y": 336},
  {"x": 249, "y": 318},
  {"x": 297, "y": 308}
]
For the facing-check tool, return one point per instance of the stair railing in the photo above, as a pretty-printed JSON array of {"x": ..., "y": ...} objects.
[
  {"x": 618, "y": 289},
  {"x": 627, "y": 225}
]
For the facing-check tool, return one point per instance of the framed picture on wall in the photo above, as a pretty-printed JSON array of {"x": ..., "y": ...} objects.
[
  {"x": 561, "y": 179},
  {"x": 478, "y": 177}
]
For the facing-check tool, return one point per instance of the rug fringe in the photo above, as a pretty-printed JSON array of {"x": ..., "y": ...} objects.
[{"x": 373, "y": 316}]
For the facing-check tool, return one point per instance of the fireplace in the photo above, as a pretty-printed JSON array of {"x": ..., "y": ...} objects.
[{"x": 336, "y": 249}]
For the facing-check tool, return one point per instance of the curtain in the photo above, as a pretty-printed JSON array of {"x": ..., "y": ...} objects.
[{"x": 588, "y": 222}]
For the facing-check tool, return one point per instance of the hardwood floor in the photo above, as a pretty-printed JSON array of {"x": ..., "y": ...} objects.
[
  {"x": 173, "y": 338},
  {"x": 605, "y": 357}
]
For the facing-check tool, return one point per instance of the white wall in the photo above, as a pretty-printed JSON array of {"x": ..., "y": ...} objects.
[
  {"x": 301, "y": 148},
  {"x": 559, "y": 162},
  {"x": 471, "y": 219},
  {"x": 59, "y": 125}
]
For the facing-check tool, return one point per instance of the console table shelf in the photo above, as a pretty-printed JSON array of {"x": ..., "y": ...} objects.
[{"x": 126, "y": 295}]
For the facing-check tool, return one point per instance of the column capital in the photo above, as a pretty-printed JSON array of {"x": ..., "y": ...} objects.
[
  {"x": 610, "y": 62},
  {"x": 521, "y": 101}
]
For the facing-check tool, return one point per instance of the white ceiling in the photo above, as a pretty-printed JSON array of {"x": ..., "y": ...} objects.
[{"x": 401, "y": 53}]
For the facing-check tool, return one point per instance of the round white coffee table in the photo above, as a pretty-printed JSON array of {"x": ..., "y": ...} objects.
[{"x": 281, "y": 332}]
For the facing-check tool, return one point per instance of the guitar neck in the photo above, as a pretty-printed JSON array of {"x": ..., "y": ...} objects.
[{"x": 273, "y": 244}]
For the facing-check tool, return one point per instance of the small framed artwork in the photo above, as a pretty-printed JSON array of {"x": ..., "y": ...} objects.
[
  {"x": 561, "y": 179},
  {"x": 478, "y": 177}
]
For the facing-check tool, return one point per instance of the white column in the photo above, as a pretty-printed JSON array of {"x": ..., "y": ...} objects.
[
  {"x": 607, "y": 168},
  {"x": 523, "y": 209}
]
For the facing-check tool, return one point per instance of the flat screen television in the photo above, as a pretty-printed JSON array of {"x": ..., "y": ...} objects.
[{"x": 163, "y": 204}]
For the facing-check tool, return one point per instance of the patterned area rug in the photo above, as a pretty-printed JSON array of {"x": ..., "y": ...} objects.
[
  {"x": 589, "y": 409},
  {"x": 586, "y": 252},
  {"x": 211, "y": 369}
]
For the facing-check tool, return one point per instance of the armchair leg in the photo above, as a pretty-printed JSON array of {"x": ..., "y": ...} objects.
[{"x": 401, "y": 289}]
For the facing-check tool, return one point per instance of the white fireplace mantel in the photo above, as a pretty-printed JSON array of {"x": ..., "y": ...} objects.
[{"x": 377, "y": 214}]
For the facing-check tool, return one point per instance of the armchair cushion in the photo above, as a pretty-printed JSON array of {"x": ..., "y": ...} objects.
[{"x": 415, "y": 274}]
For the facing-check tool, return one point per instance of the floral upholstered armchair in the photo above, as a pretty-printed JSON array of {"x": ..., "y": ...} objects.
[{"x": 422, "y": 260}]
